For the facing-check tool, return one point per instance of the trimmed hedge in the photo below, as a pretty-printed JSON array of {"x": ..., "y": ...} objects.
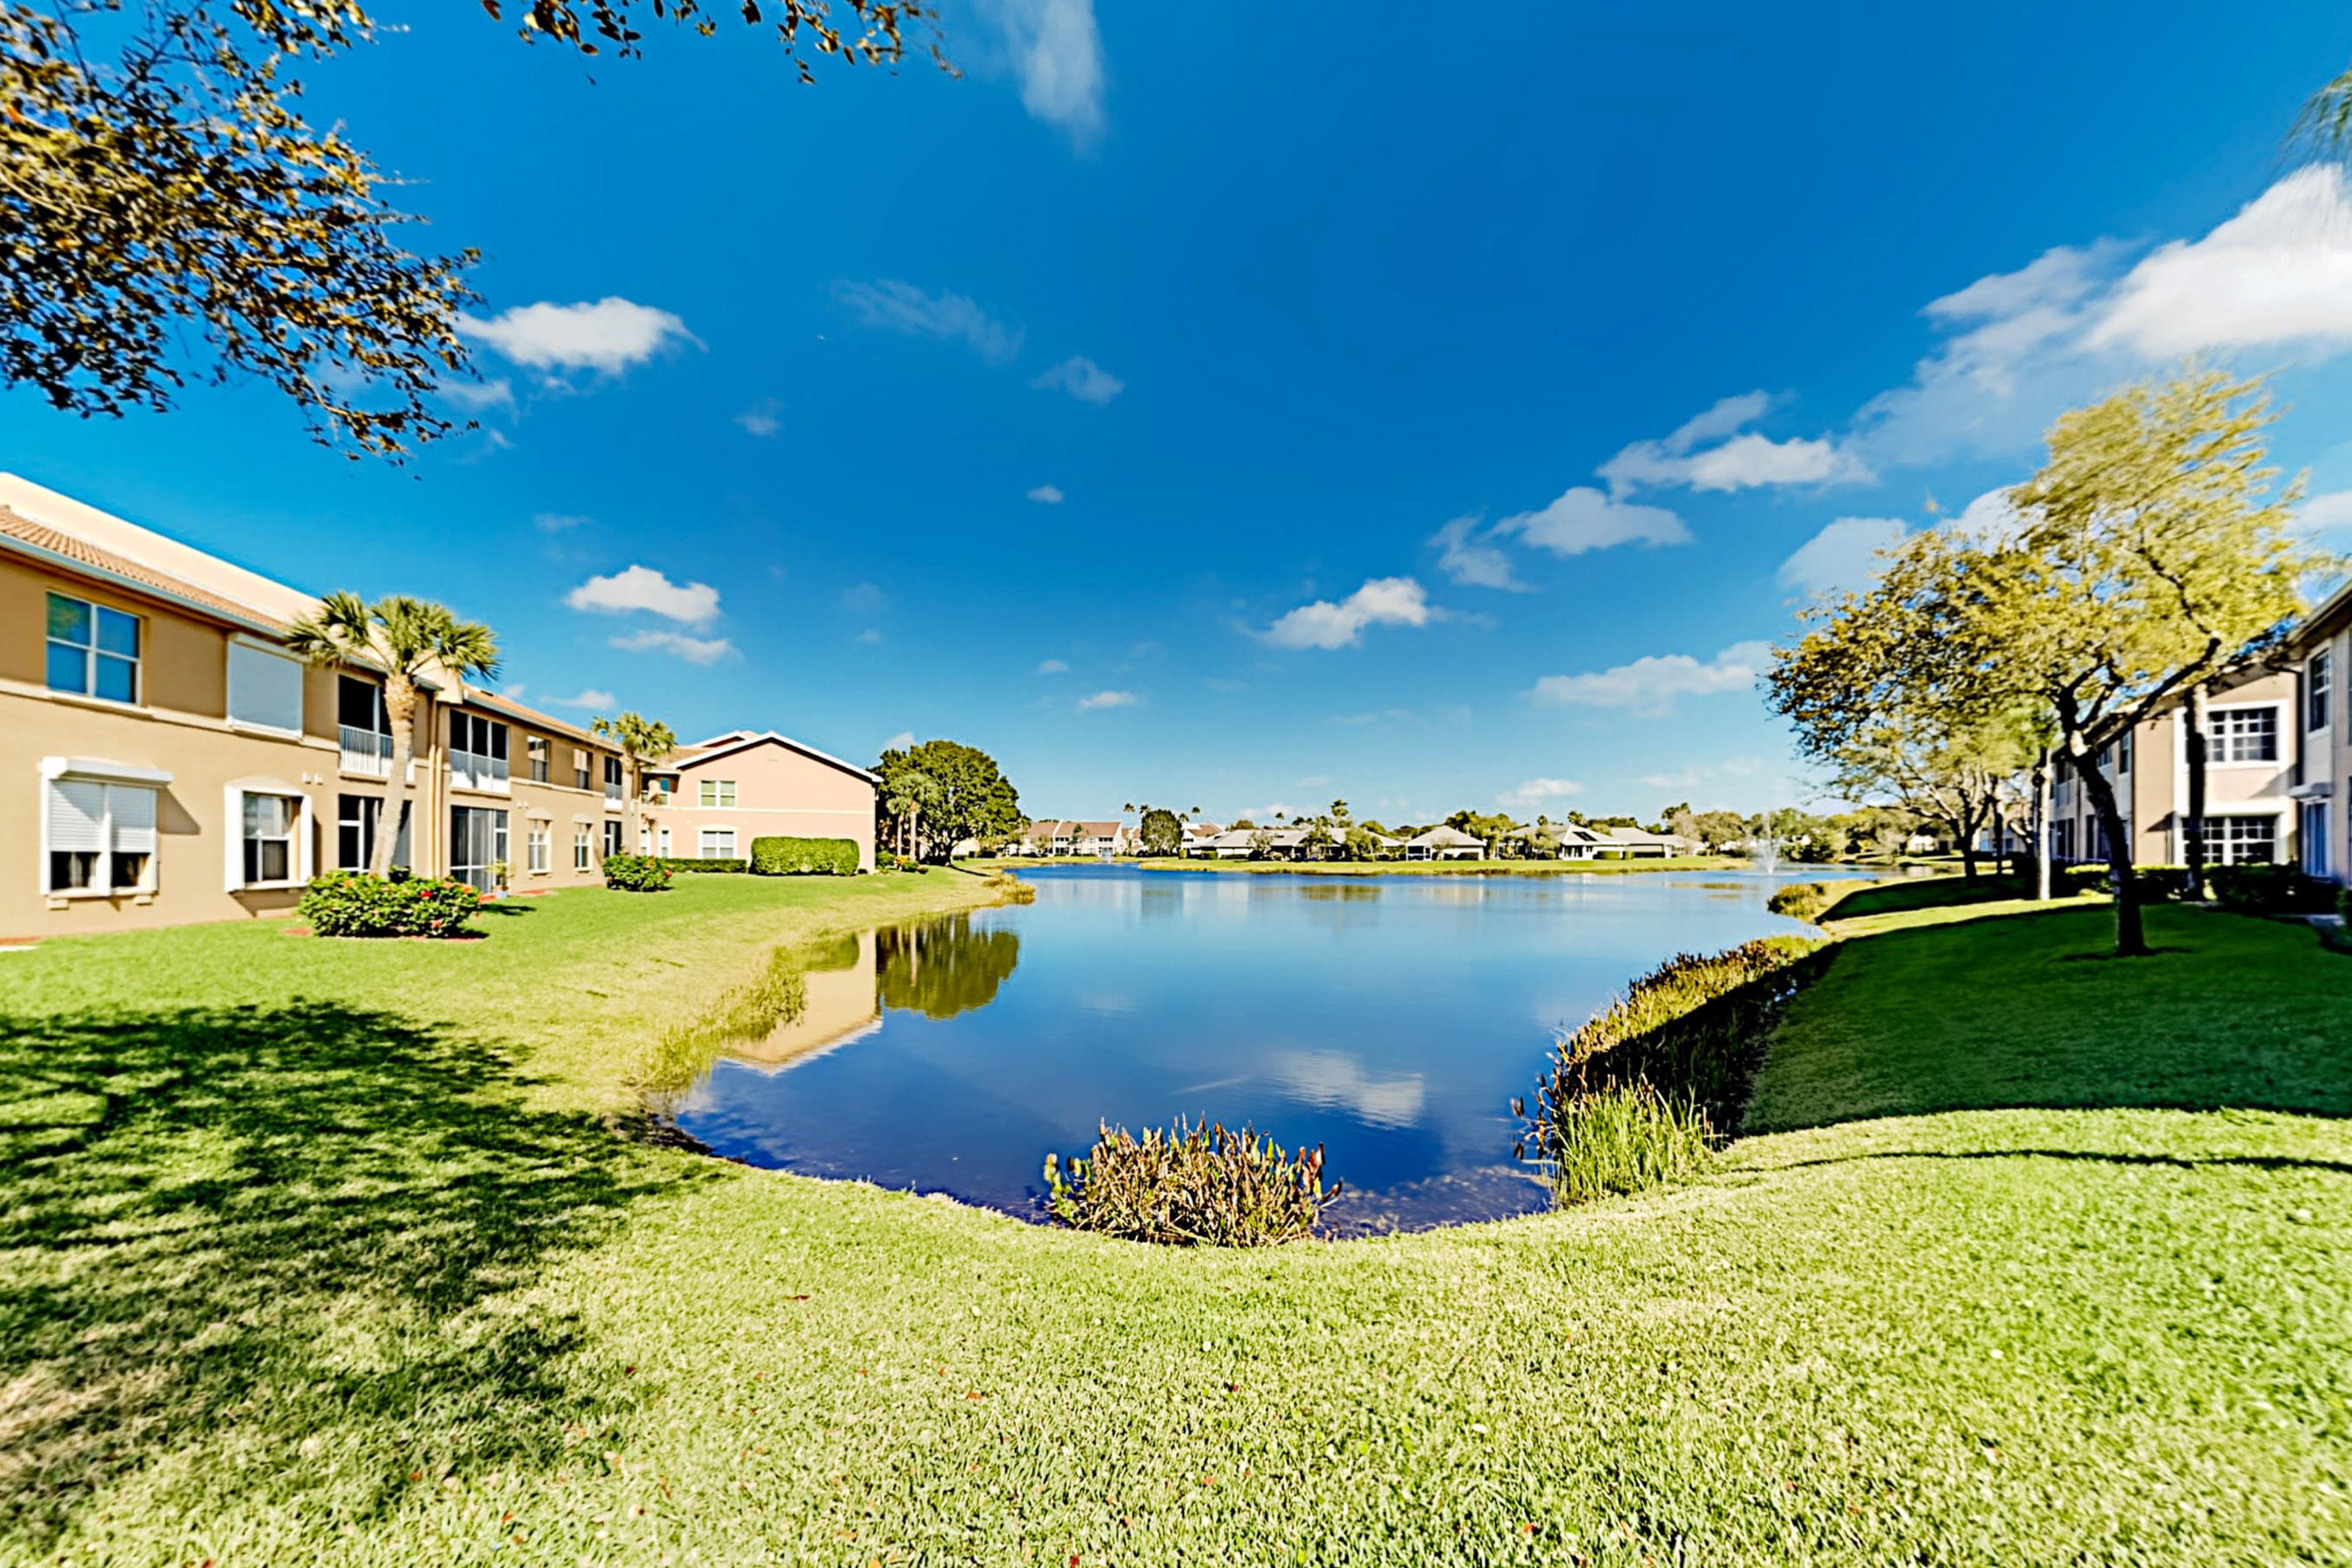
[
  {"x": 635, "y": 874},
  {"x": 354, "y": 904},
  {"x": 2268, "y": 889},
  {"x": 786, "y": 856},
  {"x": 689, "y": 862}
]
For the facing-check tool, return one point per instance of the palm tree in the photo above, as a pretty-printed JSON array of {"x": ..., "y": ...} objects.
[
  {"x": 401, "y": 638},
  {"x": 641, "y": 740}
]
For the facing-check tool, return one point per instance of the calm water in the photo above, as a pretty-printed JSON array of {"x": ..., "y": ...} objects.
[{"x": 1390, "y": 1019}]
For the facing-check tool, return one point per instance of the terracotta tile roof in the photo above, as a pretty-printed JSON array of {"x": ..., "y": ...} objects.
[{"x": 15, "y": 526}]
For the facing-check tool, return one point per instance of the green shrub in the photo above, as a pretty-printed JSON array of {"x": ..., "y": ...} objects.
[
  {"x": 635, "y": 874},
  {"x": 694, "y": 864},
  {"x": 1626, "y": 1140},
  {"x": 1803, "y": 901},
  {"x": 354, "y": 904},
  {"x": 1193, "y": 1186},
  {"x": 2268, "y": 889},
  {"x": 783, "y": 856},
  {"x": 1691, "y": 1033}
]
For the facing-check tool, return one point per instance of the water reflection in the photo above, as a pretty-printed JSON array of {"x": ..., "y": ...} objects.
[{"x": 942, "y": 967}]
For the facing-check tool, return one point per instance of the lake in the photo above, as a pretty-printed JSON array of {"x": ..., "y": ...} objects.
[{"x": 1390, "y": 1019}]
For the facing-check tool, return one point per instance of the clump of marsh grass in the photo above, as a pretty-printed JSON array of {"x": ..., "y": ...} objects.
[
  {"x": 1192, "y": 1187},
  {"x": 1805, "y": 901},
  {"x": 1626, "y": 1140},
  {"x": 1645, "y": 1085},
  {"x": 1010, "y": 889}
]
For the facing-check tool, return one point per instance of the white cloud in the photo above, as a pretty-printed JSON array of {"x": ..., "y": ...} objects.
[
  {"x": 1082, "y": 379},
  {"x": 1990, "y": 519},
  {"x": 609, "y": 335},
  {"x": 1381, "y": 602},
  {"x": 557, "y": 522},
  {"x": 693, "y": 650},
  {"x": 869, "y": 636},
  {"x": 1107, "y": 699},
  {"x": 1056, "y": 53},
  {"x": 1842, "y": 555},
  {"x": 1465, "y": 557},
  {"x": 1742, "y": 462},
  {"x": 1052, "y": 667},
  {"x": 2279, "y": 273},
  {"x": 587, "y": 697},
  {"x": 1583, "y": 520},
  {"x": 864, "y": 597},
  {"x": 514, "y": 691},
  {"x": 897, "y": 306},
  {"x": 480, "y": 395},
  {"x": 643, "y": 588},
  {"x": 1536, "y": 792},
  {"x": 1650, "y": 686},
  {"x": 1047, "y": 494},
  {"x": 763, "y": 418},
  {"x": 1333, "y": 1080},
  {"x": 2329, "y": 513},
  {"x": 901, "y": 741}
]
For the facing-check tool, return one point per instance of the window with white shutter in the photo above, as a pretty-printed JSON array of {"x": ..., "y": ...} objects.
[
  {"x": 265, "y": 688},
  {"x": 98, "y": 837}
]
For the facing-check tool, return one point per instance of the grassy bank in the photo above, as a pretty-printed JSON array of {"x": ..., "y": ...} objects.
[{"x": 306, "y": 1259}]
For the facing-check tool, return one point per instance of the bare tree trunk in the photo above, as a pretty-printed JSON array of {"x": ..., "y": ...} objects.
[
  {"x": 399, "y": 712},
  {"x": 2194, "y": 717},
  {"x": 2131, "y": 938},
  {"x": 2041, "y": 827}
]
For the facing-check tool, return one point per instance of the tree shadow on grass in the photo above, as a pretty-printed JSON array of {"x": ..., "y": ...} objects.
[{"x": 284, "y": 1242}]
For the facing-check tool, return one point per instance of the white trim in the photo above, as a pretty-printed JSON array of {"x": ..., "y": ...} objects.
[
  {"x": 749, "y": 739},
  {"x": 233, "y": 794}
]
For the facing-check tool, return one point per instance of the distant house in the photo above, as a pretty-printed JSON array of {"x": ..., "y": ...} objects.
[
  {"x": 1444, "y": 843},
  {"x": 1063, "y": 836},
  {"x": 1635, "y": 843},
  {"x": 710, "y": 800}
]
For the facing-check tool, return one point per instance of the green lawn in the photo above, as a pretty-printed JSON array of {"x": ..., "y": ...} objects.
[{"x": 311, "y": 1253}]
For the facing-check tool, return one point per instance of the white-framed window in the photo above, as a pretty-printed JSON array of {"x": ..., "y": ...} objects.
[
  {"x": 92, "y": 650},
  {"x": 537, "y": 746},
  {"x": 718, "y": 792},
  {"x": 265, "y": 687},
  {"x": 2241, "y": 840},
  {"x": 2241, "y": 735},
  {"x": 661, "y": 844},
  {"x": 535, "y": 847},
  {"x": 2122, "y": 752},
  {"x": 612, "y": 779},
  {"x": 581, "y": 849},
  {"x": 581, "y": 778},
  {"x": 2318, "y": 689},
  {"x": 269, "y": 839},
  {"x": 717, "y": 843},
  {"x": 478, "y": 845},
  {"x": 97, "y": 837},
  {"x": 614, "y": 838}
]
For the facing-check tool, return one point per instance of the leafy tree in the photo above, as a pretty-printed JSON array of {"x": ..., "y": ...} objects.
[
  {"x": 1361, "y": 843},
  {"x": 401, "y": 638},
  {"x": 1489, "y": 826},
  {"x": 641, "y": 740},
  {"x": 1240, "y": 823},
  {"x": 1162, "y": 831},
  {"x": 958, "y": 792},
  {"x": 1884, "y": 694},
  {"x": 1318, "y": 842},
  {"x": 159, "y": 186},
  {"x": 2153, "y": 553},
  {"x": 1261, "y": 844}
]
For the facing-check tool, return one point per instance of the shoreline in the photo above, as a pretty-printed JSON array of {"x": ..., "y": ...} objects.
[{"x": 1395, "y": 868}]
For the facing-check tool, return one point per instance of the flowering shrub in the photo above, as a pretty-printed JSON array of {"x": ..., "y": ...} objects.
[
  {"x": 635, "y": 874},
  {"x": 354, "y": 904},
  {"x": 1195, "y": 1187}
]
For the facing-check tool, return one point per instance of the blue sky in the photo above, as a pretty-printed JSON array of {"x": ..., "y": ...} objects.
[{"x": 1237, "y": 415}]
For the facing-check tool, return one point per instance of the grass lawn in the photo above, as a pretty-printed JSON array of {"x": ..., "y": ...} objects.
[{"x": 311, "y": 1253}]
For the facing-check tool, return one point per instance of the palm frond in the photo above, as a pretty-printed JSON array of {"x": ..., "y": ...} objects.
[{"x": 2325, "y": 124}]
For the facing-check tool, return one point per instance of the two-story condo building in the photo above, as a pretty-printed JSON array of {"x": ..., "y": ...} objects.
[
  {"x": 710, "y": 800},
  {"x": 164, "y": 758},
  {"x": 2322, "y": 648}
]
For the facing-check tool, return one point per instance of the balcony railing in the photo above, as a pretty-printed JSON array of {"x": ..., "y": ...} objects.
[
  {"x": 486, "y": 775},
  {"x": 366, "y": 752}
]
